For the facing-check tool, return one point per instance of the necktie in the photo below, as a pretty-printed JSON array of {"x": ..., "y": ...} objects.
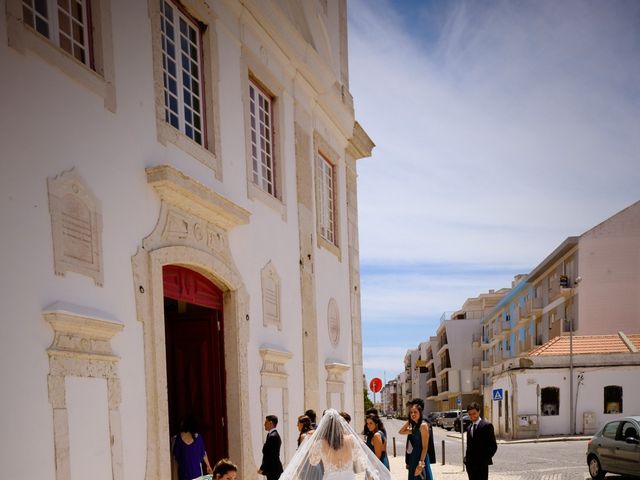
[{"x": 473, "y": 430}]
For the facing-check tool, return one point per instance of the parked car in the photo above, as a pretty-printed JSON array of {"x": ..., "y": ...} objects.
[
  {"x": 615, "y": 448},
  {"x": 431, "y": 417},
  {"x": 448, "y": 418},
  {"x": 438, "y": 419},
  {"x": 466, "y": 421}
]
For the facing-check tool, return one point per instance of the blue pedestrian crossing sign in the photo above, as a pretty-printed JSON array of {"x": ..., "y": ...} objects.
[{"x": 497, "y": 394}]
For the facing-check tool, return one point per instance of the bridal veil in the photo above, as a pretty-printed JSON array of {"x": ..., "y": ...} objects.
[{"x": 334, "y": 452}]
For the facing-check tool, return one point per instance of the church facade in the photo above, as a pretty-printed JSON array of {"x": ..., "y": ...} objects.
[{"x": 179, "y": 229}]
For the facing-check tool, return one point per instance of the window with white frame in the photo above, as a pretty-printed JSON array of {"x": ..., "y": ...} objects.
[
  {"x": 66, "y": 23},
  {"x": 182, "y": 72},
  {"x": 326, "y": 199},
  {"x": 262, "y": 135}
]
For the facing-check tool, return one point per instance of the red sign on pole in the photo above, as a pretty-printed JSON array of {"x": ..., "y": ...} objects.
[{"x": 375, "y": 385}]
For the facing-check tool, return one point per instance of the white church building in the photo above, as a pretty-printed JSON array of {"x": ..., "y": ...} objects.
[{"x": 179, "y": 230}]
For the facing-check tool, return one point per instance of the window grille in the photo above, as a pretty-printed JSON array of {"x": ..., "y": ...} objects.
[
  {"x": 326, "y": 186},
  {"x": 261, "y": 120},
  {"x": 182, "y": 72},
  {"x": 66, "y": 23}
]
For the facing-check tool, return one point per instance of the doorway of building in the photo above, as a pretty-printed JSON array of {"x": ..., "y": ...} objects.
[{"x": 194, "y": 338}]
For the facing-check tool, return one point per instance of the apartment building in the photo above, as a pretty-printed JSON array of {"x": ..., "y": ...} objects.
[
  {"x": 432, "y": 365},
  {"x": 457, "y": 349},
  {"x": 587, "y": 286},
  {"x": 389, "y": 395}
]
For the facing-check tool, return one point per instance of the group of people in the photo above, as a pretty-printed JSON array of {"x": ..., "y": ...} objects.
[{"x": 331, "y": 450}]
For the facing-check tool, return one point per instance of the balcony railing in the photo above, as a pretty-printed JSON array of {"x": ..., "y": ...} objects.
[{"x": 486, "y": 363}]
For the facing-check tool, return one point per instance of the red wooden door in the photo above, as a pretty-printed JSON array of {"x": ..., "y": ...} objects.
[{"x": 195, "y": 361}]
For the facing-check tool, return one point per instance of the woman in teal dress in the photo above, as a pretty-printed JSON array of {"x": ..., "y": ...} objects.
[
  {"x": 418, "y": 431},
  {"x": 376, "y": 439}
]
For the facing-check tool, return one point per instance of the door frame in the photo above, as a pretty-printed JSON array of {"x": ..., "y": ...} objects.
[{"x": 148, "y": 280}]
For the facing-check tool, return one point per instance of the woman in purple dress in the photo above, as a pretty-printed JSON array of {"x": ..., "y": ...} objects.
[{"x": 189, "y": 451}]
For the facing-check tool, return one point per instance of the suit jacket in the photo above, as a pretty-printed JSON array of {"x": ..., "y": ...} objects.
[
  {"x": 271, "y": 464},
  {"x": 482, "y": 446}
]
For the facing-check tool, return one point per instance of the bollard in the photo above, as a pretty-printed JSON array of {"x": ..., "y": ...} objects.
[
  {"x": 443, "y": 458},
  {"x": 394, "y": 446}
]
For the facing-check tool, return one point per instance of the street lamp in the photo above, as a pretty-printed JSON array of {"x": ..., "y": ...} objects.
[{"x": 572, "y": 407}]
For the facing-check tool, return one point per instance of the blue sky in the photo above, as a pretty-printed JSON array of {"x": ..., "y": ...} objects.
[{"x": 501, "y": 127}]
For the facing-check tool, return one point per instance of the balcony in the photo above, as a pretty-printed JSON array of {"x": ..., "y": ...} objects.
[
  {"x": 535, "y": 305},
  {"x": 486, "y": 364},
  {"x": 505, "y": 326},
  {"x": 475, "y": 339}
]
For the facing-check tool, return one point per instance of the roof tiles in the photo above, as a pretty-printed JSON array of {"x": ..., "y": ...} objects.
[{"x": 587, "y": 344}]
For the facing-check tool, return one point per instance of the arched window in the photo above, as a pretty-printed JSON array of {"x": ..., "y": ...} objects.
[{"x": 613, "y": 399}]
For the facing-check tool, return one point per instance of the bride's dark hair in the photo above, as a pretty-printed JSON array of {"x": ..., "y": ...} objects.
[{"x": 333, "y": 433}]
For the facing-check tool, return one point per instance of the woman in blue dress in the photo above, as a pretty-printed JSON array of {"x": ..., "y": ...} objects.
[
  {"x": 376, "y": 438},
  {"x": 418, "y": 431}
]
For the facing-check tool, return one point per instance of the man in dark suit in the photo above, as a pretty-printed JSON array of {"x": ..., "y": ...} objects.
[
  {"x": 271, "y": 467},
  {"x": 481, "y": 445}
]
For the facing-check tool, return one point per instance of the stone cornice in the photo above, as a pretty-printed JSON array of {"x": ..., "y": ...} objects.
[
  {"x": 360, "y": 144},
  {"x": 176, "y": 188},
  {"x": 336, "y": 367},
  {"x": 80, "y": 332},
  {"x": 276, "y": 356}
]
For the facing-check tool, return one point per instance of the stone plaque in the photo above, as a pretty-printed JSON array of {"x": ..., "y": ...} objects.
[{"x": 76, "y": 226}]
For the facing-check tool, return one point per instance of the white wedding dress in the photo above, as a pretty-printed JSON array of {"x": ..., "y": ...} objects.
[{"x": 334, "y": 452}]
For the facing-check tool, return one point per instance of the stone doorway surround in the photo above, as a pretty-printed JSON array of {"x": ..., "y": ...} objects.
[
  {"x": 81, "y": 347},
  {"x": 335, "y": 382},
  {"x": 274, "y": 375},
  {"x": 192, "y": 231}
]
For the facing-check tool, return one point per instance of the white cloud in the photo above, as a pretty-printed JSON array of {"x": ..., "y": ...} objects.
[{"x": 501, "y": 129}]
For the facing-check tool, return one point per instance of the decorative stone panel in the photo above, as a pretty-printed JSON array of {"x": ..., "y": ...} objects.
[
  {"x": 81, "y": 347},
  {"x": 333, "y": 322},
  {"x": 270, "y": 296},
  {"x": 274, "y": 375},
  {"x": 76, "y": 225},
  {"x": 335, "y": 382}
]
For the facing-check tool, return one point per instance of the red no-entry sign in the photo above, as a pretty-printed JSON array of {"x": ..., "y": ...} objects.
[{"x": 375, "y": 385}]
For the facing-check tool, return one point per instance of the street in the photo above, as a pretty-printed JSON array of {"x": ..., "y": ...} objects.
[{"x": 557, "y": 460}]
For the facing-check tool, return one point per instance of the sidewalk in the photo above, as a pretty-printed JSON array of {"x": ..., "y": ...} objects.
[
  {"x": 554, "y": 438},
  {"x": 450, "y": 472}
]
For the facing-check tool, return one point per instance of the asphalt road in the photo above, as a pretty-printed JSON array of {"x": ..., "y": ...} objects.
[{"x": 558, "y": 460}]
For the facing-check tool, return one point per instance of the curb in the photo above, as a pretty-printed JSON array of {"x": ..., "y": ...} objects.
[{"x": 575, "y": 438}]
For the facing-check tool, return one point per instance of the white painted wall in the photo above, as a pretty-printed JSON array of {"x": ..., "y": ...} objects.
[
  {"x": 590, "y": 395},
  {"x": 53, "y": 124}
]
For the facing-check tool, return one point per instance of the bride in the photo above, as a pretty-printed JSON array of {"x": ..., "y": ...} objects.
[{"x": 334, "y": 452}]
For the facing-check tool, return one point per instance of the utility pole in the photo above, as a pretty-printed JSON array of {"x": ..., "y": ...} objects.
[{"x": 572, "y": 412}]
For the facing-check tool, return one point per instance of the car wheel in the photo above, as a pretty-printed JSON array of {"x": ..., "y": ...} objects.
[{"x": 595, "y": 470}]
